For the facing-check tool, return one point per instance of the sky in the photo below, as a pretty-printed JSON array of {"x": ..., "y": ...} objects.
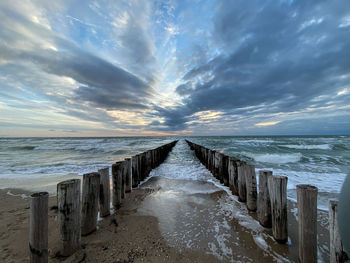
[{"x": 187, "y": 67}]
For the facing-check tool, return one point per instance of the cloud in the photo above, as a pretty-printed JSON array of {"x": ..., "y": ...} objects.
[
  {"x": 270, "y": 123},
  {"x": 39, "y": 63},
  {"x": 273, "y": 57}
]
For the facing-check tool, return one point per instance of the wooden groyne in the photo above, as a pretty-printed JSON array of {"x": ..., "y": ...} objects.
[
  {"x": 78, "y": 209},
  {"x": 271, "y": 202}
]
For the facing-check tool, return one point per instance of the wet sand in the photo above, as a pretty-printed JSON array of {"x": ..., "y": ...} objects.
[
  {"x": 132, "y": 236},
  {"x": 199, "y": 215},
  {"x": 124, "y": 237}
]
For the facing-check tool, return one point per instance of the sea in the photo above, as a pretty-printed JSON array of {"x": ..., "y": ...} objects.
[
  {"x": 193, "y": 209},
  {"x": 323, "y": 161}
]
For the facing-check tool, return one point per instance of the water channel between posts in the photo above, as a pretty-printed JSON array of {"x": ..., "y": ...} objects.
[{"x": 195, "y": 211}]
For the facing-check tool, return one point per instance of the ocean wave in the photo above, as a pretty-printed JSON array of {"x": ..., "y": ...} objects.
[
  {"x": 275, "y": 158},
  {"x": 48, "y": 170},
  {"x": 254, "y": 141},
  {"x": 339, "y": 146},
  {"x": 308, "y": 147},
  {"x": 22, "y": 148},
  {"x": 103, "y": 147}
]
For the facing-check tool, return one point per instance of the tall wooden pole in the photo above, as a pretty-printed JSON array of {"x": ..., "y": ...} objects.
[
  {"x": 264, "y": 205},
  {"x": 105, "y": 194},
  {"x": 128, "y": 175},
  {"x": 336, "y": 250},
  {"x": 278, "y": 197},
  {"x": 90, "y": 199},
  {"x": 307, "y": 222},
  {"x": 38, "y": 227},
  {"x": 250, "y": 178},
  {"x": 242, "y": 189},
  {"x": 117, "y": 184},
  {"x": 69, "y": 219}
]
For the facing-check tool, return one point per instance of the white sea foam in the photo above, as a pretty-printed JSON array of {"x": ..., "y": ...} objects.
[
  {"x": 309, "y": 147},
  {"x": 260, "y": 241},
  {"x": 23, "y": 196},
  {"x": 325, "y": 182},
  {"x": 275, "y": 158}
]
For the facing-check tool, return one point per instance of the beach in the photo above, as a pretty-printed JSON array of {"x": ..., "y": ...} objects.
[
  {"x": 180, "y": 213},
  {"x": 124, "y": 237},
  {"x": 129, "y": 236}
]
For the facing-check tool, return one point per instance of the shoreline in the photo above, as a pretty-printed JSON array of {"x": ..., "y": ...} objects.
[
  {"x": 135, "y": 238},
  {"x": 121, "y": 237}
]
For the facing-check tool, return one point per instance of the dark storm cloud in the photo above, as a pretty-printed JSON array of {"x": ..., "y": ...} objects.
[
  {"x": 184, "y": 89},
  {"x": 102, "y": 83},
  {"x": 281, "y": 53}
]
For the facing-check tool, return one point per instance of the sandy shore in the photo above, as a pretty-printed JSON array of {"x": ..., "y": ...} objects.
[{"x": 124, "y": 237}]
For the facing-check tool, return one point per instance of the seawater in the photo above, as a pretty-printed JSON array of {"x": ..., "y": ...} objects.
[
  {"x": 323, "y": 161},
  {"x": 194, "y": 210}
]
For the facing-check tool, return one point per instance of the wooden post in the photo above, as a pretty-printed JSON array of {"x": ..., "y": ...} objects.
[
  {"x": 90, "y": 198},
  {"x": 264, "y": 205},
  {"x": 242, "y": 189},
  {"x": 250, "y": 178},
  {"x": 38, "y": 227},
  {"x": 149, "y": 162},
  {"x": 68, "y": 202},
  {"x": 234, "y": 175},
  {"x": 105, "y": 193},
  {"x": 278, "y": 197},
  {"x": 336, "y": 250},
  {"x": 212, "y": 162},
  {"x": 307, "y": 222},
  {"x": 134, "y": 171},
  {"x": 216, "y": 165},
  {"x": 128, "y": 175},
  {"x": 117, "y": 184},
  {"x": 124, "y": 171},
  {"x": 224, "y": 170}
]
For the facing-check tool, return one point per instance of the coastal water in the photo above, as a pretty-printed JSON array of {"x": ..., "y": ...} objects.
[
  {"x": 193, "y": 209},
  {"x": 323, "y": 161}
]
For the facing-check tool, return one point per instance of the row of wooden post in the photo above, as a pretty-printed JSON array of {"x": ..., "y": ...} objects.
[
  {"x": 271, "y": 201},
  {"x": 78, "y": 212}
]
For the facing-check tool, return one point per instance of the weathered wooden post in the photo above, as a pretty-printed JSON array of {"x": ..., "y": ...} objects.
[
  {"x": 68, "y": 202},
  {"x": 209, "y": 160},
  {"x": 264, "y": 205},
  {"x": 216, "y": 165},
  {"x": 105, "y": 193},
  {"x": 336, "y": 250},
  {"x": 278, "y": 197},
  {"x": 250, "y": 178},
  {"x": 233, "y": 175},
  {"x": 134, "y": 171},
  {"x": 128, "y": 175},
  {"x": 213, "y": 167},
  {"x": 224, "y": 171},
  {"x": 307, "y": 222},
  {"x": 90, "y": 199},
  {"x": 117, "y": 184},
  {"x": 242, "y": 189},
  {"x": 124, "y": 170},
  {"x": 38, "y": 227},
  {"x": 148, "y": 162},
  {"x": 143, "y": 166}
]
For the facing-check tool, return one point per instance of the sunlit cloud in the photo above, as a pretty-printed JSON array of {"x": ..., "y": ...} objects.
[
  {"x": 270, "y": 123},
  {"x": 120, "y": 68},
  {"x": 343, "y": 92}
]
